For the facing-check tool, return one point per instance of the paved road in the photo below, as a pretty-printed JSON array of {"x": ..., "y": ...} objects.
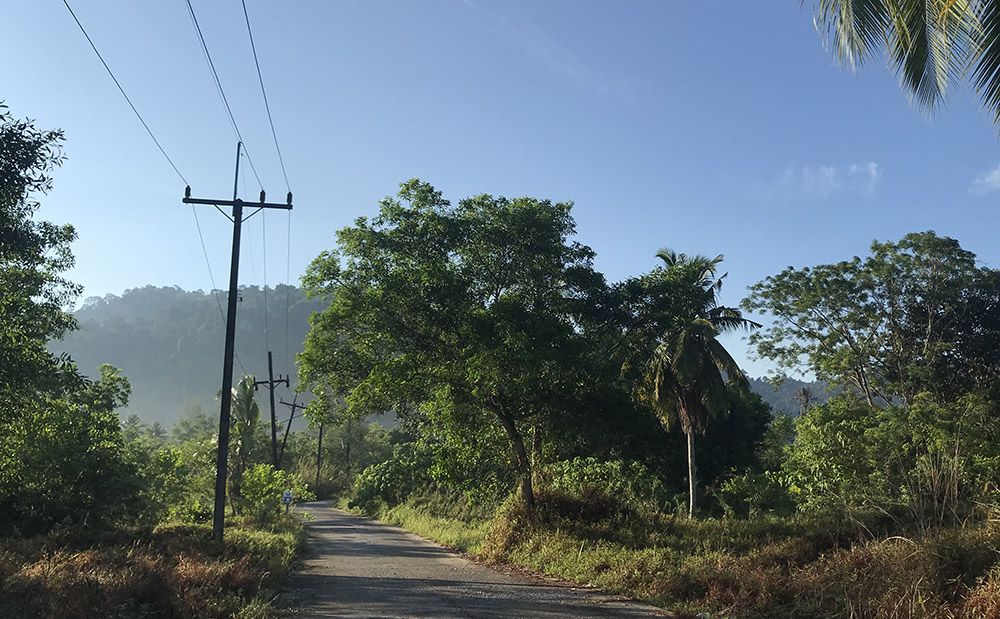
[{"x": 362, "y": 568}]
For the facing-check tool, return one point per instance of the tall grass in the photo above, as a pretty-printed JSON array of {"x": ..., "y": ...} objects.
[
  {"x": 174, "y": 571},
  {"x": 799, "y": 566}
]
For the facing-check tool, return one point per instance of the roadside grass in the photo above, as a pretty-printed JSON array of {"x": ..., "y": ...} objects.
[
  {"x": 176, "y": 570},
  {"x": 452, "y": 532},
  {"x": 763, "y": 567}
]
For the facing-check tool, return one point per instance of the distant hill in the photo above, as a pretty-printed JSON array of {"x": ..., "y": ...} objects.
[
  {"x": 784, "y": 397},
  {"x": 169, "y": 342}
]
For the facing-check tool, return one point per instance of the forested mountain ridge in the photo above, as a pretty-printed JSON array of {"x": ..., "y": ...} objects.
[{"x": 168, "y": 342}]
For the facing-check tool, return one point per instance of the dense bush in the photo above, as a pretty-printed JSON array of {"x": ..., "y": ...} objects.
[
  {"x": 263, "y": 487},
  {"x": 392, "y": 481},
  {"x": 63, "y": 460},
  {"x": 928, "y": 461},
  {"x": 629, "y": 482}
]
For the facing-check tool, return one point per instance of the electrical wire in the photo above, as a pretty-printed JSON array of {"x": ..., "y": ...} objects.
[
  {"x": 222, "y": 92},
  {"x": 145, "y": 125},
  {"x": 263, "y": 92},
  {"x": 122, "y": 90}
]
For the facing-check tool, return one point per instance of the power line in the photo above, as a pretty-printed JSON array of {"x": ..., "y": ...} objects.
[
  {"x": 263, "y": 92},
  {"x": 122, "y": 90},
  {"x": 218, "y": 85},
  {"x": 211, "y": 277}
]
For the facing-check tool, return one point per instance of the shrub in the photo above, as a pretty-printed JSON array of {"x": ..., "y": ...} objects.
[
  {"x": 389, "y": 483},
  {"x": 755, "y": 494},
  {"x": 630, "y": 482},
  {"x": 263, "y": 487}
]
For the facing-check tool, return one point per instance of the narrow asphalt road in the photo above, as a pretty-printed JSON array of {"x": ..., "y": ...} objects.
[{"x": 357, "y": 567}]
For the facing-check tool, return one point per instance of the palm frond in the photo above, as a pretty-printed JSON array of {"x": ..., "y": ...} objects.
[
  {"x": 858, "y": 27},
  {"x": 727, "y": 319},
  {"x": 931, "y": 42},
  {"x": 931, "y": 45},
  {"x": 987, "y": 69}
]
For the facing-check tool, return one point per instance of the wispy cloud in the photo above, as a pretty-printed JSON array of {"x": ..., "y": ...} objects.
[
  {"x": 821, "y": 182},
  {"x": 987, "y": 182},
  {"x": 541, "y": 47}
]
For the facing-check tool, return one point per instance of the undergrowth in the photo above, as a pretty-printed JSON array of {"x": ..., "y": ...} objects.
[
  {"x": 868, "y": 566},
  {"x": 174, "y": 571}
]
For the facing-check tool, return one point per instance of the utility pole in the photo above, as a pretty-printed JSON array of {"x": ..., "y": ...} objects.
[
  {"x": 271, "y": 382},
  {"x": 294, "y": 404},
  {"x": 319, "y": 453},
  {"x": 221, "y": 462}
]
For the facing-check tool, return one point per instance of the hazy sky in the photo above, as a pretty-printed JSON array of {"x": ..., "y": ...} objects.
[{"x": 710, "y": 128}]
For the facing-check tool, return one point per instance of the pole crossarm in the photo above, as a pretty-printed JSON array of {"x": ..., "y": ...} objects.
[
  {"x": 268, "y": 384},
  {"x": 237, "y": 202}
]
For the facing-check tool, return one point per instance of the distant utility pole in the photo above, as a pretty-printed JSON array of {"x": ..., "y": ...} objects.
[
  {"x": 319, "y": 453},
  {"x": 294, "y": 404},
  {"x": 270, "y": 383},
  {"x": 218, "y": 518}
]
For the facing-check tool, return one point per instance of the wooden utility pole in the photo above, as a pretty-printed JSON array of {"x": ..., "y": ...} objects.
[
  {"x": 294, "y": 404},
  {"x": 270, "y": 383},
  {"x": 319, "y": 453},
  {"x": 221, "y": 462}
]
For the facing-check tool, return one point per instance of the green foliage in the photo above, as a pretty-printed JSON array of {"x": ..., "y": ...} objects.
[
  {"x": 917, "y": 316},
  {"x": 391, "y": 482},
  {"x": 244, "y": 430},
  {"x": 263, "y": 486},
  {"x": 929, "y": 461},
  {"x": 755, "y": 494},
  {"x": 33, "y": 255},
  {"x": 62, "y": 460},
  {"x": 470, "y": 307},
  {"x": 630, "y": 483}
]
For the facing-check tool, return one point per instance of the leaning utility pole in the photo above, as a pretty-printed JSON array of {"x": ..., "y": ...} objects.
[
  {"x": 294, "y": 404},
  {"x": 271, "y": 382},
  {"x": 219, "y": 516}
]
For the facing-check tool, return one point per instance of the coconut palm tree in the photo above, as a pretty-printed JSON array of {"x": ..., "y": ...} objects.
[
  {"x": 932, "y": 43},
  {"x": 243, "y": 423},
  {"x": 686, "y": 377}
]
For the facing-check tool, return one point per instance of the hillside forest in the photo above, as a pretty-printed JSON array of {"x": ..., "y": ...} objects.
[{"x": 543, "y": 415}]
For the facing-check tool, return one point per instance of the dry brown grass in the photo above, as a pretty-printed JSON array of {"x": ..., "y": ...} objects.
[
  {"x": 176, "y": 572},
  {"x": 771, "y": 567}
]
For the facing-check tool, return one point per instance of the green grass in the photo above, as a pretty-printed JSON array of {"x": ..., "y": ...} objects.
[
  {"x": 177, "y": 570},
  {"x": 765, "y": 567},
  {"x": 450, "y": 532}
]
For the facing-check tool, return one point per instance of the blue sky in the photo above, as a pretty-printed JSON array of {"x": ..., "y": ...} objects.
[{"x": 705, "y": 127}]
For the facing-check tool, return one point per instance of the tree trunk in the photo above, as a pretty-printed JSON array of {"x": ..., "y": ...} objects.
[
  {"x": 692, "y": 476},
  {"x": 521, "y": 454}
]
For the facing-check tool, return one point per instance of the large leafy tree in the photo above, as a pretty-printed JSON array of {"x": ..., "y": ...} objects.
[
  {"x": 33, "y": 255},
  {"x": 686, "y": 376},
  {"x": 461, "y": 315},
  {"x": 932, "y": 43},
  {"x": 61, "y": 447},
  {"x": 917, "y": 315}
]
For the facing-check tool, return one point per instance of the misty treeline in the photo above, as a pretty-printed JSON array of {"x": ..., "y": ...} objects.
[{"x": 167, "y": 341}]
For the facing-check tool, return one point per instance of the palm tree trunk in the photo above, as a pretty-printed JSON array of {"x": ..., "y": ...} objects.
[{"x": 692, "y": 476}]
